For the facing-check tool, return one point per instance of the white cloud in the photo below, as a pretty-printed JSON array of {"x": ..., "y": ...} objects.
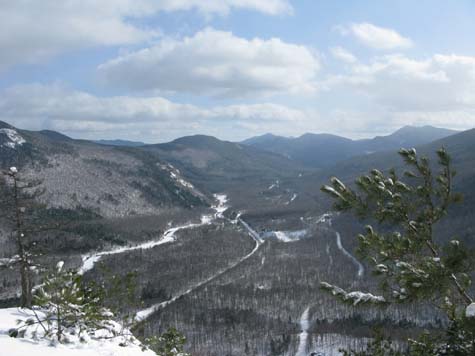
[
  {"x": 374, "y": 121},
  {"x": 343, "y": 55},
  {"x": 32, "y": 31},
  {"x": 395, "y": 90},
  {"x": 377, "y": 37},
  {"x": 38, "y": 106},
  {"x": 223, "y": 7},
  {"x": 399, "y": 83},
  {"x": 218, "y": 63}
]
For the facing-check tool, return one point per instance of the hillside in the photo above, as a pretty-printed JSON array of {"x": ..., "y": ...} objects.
[
  {"x": 109, "y": 180},
  {"x": 215, "y": 165}
]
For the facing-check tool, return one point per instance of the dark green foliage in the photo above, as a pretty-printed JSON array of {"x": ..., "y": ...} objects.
[
  {"x": 459, "y": 340},
  {"x": 120, "y": 294},
  {"x": 406, "y": 258},
  {"x": 169, "y": 343}
]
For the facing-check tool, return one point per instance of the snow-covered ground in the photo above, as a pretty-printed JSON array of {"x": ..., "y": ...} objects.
[
  {"x": 221, "y": 207},
  {"x": 28, "y": 346}
]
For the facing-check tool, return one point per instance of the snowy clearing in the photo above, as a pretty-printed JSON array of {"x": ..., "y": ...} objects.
[{"x": 42, "y": 347}]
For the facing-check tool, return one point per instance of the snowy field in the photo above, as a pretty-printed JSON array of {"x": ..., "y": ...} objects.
[{"x": 28, "y": 346}]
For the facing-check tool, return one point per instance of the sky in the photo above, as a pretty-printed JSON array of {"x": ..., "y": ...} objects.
[{"x": 155, "y": 70}]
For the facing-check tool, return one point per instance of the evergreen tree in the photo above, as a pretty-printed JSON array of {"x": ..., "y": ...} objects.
[
  {"x": 170, "y": 343},
  {"x": 411, "y": 262},
  {"x": 18, "y": 206},
  {"x": 67, "y": 307}
]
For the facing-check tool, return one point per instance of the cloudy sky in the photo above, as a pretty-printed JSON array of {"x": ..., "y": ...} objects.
[{"x": 154, "y": 70}]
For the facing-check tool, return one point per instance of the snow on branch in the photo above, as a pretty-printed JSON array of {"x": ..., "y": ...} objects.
[
  {"x": 355, "y": 297},
  {"x": 9, "y": 262}
]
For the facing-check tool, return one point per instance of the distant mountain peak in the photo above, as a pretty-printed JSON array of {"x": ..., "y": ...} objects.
[
  {"x": 55, "y": 135},
  {"x": 197, "y": 140},
  {"x": 422, "y": 129}
]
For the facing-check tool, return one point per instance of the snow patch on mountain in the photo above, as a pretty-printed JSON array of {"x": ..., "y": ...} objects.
[{"x": 15, "y": 139}]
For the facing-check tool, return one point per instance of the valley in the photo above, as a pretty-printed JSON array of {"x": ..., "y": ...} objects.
[{"x": 229, "y": 242}]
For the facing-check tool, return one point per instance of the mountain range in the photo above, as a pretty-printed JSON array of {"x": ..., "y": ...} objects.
[
  {"x": 126, "y": 177},
  {"x": 324, "y": 150}
]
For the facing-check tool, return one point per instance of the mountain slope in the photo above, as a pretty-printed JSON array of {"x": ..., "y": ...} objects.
[
  {"x": 217, "y": 164},
  {"x": 111, "y": 181},
  {"x": 323, "y": 150}
]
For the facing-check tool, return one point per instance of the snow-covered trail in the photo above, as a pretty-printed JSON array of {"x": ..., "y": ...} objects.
[
  {"x": 254, "y": 234},
  {"x": 145, "y": 313},
  {"x": 89, "y": 260},
  {"x": 326, "y": 218},
  {"x": 349, "y": 255},
  {"x": 303, "y": 336}
]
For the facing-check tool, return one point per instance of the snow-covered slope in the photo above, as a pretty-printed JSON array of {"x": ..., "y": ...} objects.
[{"x": 28, "y": 346}]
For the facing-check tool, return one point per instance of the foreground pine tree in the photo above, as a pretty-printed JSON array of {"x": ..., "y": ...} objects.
[
  {"x": 411, "y": 263},
  {"x": 170, "y": 343},
  {"x": 17, "y": 205},
  {"x": 64, "y": 309}
]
